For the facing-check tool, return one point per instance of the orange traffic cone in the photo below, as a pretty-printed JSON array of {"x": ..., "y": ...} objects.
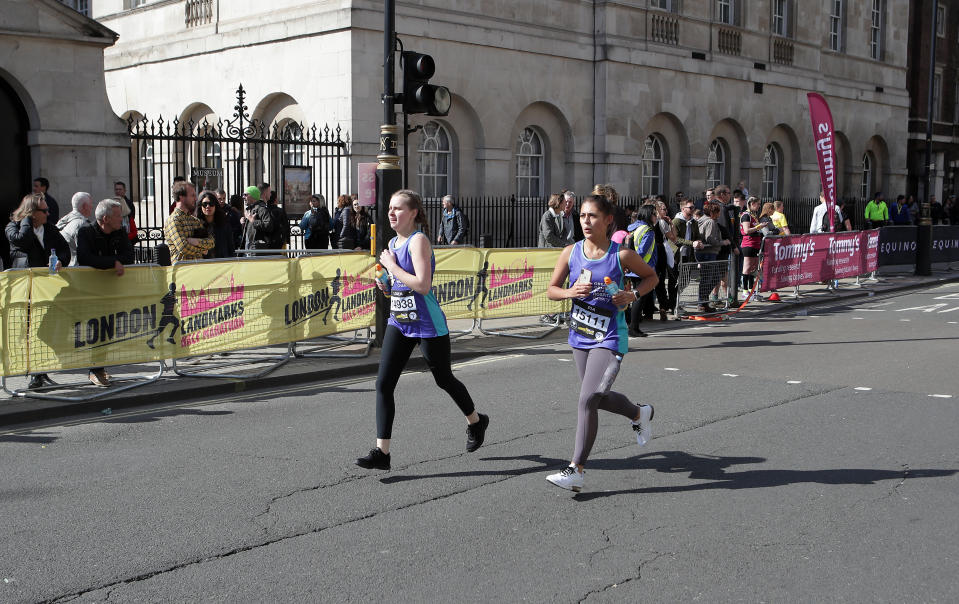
[{"x": 773, "y": 297}]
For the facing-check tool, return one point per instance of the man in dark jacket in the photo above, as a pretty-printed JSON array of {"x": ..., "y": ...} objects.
[
  {"x": 104, "y": 245},
  {"x": 453, "y": 224},
  {"x": 42, "y": 185},
  {"x": 261, "y": 230}
]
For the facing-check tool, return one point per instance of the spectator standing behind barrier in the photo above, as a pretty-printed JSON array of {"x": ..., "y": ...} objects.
[
  {"x": 936, "y": 213},
  {"x": 899, "y": 214},
  {"x": 646, "y": 239},
  {"x": 42, "y": 186},
  {"x": 913, "y": 206},
  {"x": 361, "y": 222},
  {"x": 779, "y": 218},
  {"x": 130, "y": 211},
  {"x": 454, "y": 225},
  {"x": 710, "y": 274},
  {"x": 261, "y": 231},
  {"x": 343, "y": 234},
  {"x": 552, "y": 225},
  {"x": 181, "y": 226},
  {"x": 104, "y": 245},
  {"x": 209, "y": 212},
  {"x": 32, "y": 239},
  {"x": 570, "y": 219},
  {"x": 819, "y": 218},
  {"x": 952, "y": 209},
  {"x": 238, "y": 210},
  {"x": 232, "y": 217},
  {"x": 597, "y": 328},
  {"x": 315, "y": 224},
  {"x": 876, "y": 212},
  {"x": 81, "y": 214},
  {"x": 666, "y": 268},
  {"x": 415, "y": 318},
  {"x": 752, "y": 243}
]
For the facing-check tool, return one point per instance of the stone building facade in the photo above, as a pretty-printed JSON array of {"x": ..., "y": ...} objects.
[
  {"x": 944, "y": 177},
  {"x": 653, "y": 96},
  {"x": 55, "y": 119}
]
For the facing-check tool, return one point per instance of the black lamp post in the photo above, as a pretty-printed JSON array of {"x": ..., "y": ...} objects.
[{"x": 924, "y": 231}]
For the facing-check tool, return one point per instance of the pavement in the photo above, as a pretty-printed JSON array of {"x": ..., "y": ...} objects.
[{"x": 171, "y": 388}]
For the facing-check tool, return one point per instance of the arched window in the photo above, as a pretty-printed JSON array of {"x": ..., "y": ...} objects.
[
  {"x": 771, "y": 171},
  {"x": 147, "y": 175},
  {"x": 435, "y": 155},
  {"x": 292, "y": 154},
  {"x": 652, "y": 166},
  {"x": 865, "y": 185},
  {"x": 529, "y": 164},
  {"x": 716, "y": 164}
]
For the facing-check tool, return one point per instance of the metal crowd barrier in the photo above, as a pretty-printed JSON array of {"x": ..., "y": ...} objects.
[
  {"x": 94, "y": 391},
  {"x": 695, "y": 281}
]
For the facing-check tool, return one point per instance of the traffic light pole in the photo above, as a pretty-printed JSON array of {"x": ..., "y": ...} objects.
[
  {"x": 389, "y": 177},
  {"x": 924, "y": 231}
]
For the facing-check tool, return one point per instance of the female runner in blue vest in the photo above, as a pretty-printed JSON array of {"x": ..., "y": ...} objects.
[
  {"x": 415, "y": 318},
  {"x": 597, "y": 327}
]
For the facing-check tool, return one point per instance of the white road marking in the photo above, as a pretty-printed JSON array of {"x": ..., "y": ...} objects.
[
  {"x": 952, "y": 296},
  {"x": 565, "y": 360},
  {"x": 863, "y": 388},
  {"x": 794, "y": 382},
  {"x": 929, "y": 308},
  {"x": 671, "y": 368},
  {"x": 953, "y": 322},
  {"x": 858, "y": 319},
  {"x": 731, "y": 374},
  {"x": 941, "y": 395},
  {"x": 904, "y": 320}
]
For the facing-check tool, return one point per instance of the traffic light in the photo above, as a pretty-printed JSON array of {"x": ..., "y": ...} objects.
[{"x": 419, "y": 96}]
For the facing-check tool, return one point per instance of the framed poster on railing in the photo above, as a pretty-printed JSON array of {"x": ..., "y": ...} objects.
[{"x": 297, "y": 189}]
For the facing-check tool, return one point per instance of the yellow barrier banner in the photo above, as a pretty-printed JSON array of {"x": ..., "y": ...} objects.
[
  {"x": 14, "y": 300},
  {"x": 513, "y": 283},
  {"x": 328, "y": 295},
  {"x": 456, "y": 280},
  {"x": 83, "y": 317}
]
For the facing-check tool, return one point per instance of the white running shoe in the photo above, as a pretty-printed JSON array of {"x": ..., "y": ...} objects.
[
  {"x": 570, "y": 479},
  {"x": 642, "y": 427}
]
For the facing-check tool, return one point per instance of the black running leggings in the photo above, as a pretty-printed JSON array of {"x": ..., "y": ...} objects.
[{"x": 397, "y": 349}]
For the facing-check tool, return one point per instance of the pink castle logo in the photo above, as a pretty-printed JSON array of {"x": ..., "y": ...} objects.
[
  {"x": 195, "y": 302},
  {"x": 499, "y": 276},
  {"x": 354, "y": 284}
]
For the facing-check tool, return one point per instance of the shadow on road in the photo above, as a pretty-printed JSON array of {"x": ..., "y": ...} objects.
[{"x": 711, "y": 469}]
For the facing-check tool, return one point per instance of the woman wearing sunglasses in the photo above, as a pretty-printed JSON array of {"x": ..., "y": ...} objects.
[{"x": 210, "y": 213}]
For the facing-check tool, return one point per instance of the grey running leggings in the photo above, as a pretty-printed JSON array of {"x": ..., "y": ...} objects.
[{"x": 592, "y": 365}]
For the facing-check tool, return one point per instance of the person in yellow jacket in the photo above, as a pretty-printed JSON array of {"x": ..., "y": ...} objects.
[{"x": 877, "y": 212}]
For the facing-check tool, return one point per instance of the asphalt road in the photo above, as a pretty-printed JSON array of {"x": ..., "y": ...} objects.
[{"x": 795, "y": 458}]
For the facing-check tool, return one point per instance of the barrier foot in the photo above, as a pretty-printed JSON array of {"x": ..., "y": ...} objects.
[
  {"x": 119, "y": 385},
  {"x": 319, "y": 351},
  {"x": 236, "y": 359},
  {"x": 552, "y": 327}
]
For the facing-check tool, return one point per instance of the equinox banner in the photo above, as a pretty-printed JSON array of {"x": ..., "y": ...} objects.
[
  {"x": 825, "y": 151},
  {"x": 800, "y": 259}
]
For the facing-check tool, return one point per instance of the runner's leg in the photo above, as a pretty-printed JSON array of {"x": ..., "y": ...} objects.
[{"x": 393, "y": 357}]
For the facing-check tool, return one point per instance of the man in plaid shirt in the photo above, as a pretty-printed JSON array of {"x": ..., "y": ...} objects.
[{"x": 181, "y": 227}]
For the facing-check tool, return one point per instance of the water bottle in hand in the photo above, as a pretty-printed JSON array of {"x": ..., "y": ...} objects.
[
  {"x": 612, "y": 289},
  {"x": 382, "y": 275},
  {"x": 53, "y": 262}
]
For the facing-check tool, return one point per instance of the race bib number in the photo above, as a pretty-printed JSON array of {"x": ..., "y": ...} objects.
[
  {"x": 590, "y": 321},
  {"x": 403, "y": 307}
]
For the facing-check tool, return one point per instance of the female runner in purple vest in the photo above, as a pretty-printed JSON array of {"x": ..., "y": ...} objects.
[
  {"x": 597, "y": 327},
  {"x": 415, "y": 318}
]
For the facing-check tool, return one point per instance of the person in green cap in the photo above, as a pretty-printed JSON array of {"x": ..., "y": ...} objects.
[{"x": 260, "y": 222}]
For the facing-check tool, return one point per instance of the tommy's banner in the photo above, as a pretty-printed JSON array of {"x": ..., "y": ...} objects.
[
  {"x": 825, "y": 151},
  {"x": 897, "y": 244},
  {"x": 800, "y": 259}
]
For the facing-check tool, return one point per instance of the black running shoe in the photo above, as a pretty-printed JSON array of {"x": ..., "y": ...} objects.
[
  {"x": 476, "y": 433},
  {"x": 376, "y": 460}
]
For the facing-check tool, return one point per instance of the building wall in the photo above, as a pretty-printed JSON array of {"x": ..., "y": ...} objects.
[
  {"x": 52, "y": 58},
  {"x": 593, "y": 79}
]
